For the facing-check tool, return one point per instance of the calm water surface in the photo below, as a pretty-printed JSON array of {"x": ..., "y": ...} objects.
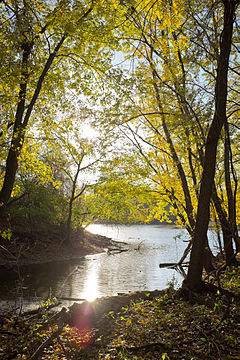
[{"x": 104, "y": 274}]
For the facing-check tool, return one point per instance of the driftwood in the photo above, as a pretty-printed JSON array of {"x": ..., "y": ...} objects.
[
  {"x": 186, "y": 252},
  {"x": 39, "y": 309},
  {"x": 69, "y": 298},
  {"x": 181, "y": 262},
  {"x": 86, "y": 313},
  {"x": 162, "y": 265},
  {"x": 160, "y": 346},
  {"x": 181, "y": 271},
  {"x": 63, "y": 319},
  {"x": 139, "y": 246},
  {"x": 173, "y": 265},
  {"x": 47, "y": 342},
  {"x": 115, "y": 251},
  {"x": 103, "y": 305}
]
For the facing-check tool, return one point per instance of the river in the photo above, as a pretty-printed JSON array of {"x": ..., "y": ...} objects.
[{"x": 103, "y": 274}]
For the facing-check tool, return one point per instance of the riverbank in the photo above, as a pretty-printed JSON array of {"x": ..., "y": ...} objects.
[
  {"x": 110, "y": 273},
  {"x": 148, "y": 325},
  {"x": 39, "y": 247}
]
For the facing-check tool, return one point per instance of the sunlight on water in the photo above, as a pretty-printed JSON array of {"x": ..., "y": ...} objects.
[
  {"x": 106, "y": 274},
  {"x": 90, "y": 288}
]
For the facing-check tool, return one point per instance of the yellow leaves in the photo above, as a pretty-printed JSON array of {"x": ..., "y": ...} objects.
[
  {"x": 114, "y": 3},
  {"x": 30, "y": 165},
  {"x": 6, "y": 234},
  {"x": 16, "y": 190},
  {"x": 165, "y": 357},
  {"x": 128, "y": 322},
  {"x": 169, "y": 14},
  {"x": 120, "y": 200}
]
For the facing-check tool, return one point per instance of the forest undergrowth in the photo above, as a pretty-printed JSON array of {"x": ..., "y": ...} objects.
[{"x": 165, "y": 327}]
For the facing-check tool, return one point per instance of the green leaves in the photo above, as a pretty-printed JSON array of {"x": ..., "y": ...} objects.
[{"x": 42, "y": 42}]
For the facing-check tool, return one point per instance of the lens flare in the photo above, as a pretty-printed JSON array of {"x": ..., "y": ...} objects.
[{"x": 83, "y": 319}]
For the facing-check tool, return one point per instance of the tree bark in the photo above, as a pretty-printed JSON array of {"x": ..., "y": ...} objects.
[
  {"x": 208, "y": 258},
  {"x": 230, "y": 193},
  {"x": 23, "y": 113},
  {"x": 71, "y": 200},
  {"x": 18, "y": 130},
  {"x": 21, "y": 120},
  {"x": 225, "y": 225},
  {"x": 194, "y": 276},
  {"x": 73, "y": 197}
]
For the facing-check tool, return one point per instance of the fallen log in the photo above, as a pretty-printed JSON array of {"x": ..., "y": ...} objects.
[
  {"x": 85, "y": 314},
  {"x": 39, "y": 309},
  {"x": 47, "y": 342},
  {"x": 115, "y": 251},
  {"x": 70, "y": 298},
  {"x": 160, "y": 346},
  {"x": 63, "y": 319},
  {"x": 162, "y": 265},
  {"x": 186, "y": 252}
]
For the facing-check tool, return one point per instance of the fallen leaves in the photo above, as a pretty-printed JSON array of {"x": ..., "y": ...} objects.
[{"x": 164, "y": 328}]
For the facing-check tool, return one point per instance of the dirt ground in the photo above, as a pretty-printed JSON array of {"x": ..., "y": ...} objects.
[{"x": 37, "y": 247}]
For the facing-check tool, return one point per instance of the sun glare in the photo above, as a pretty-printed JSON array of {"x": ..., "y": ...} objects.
[{"x": 90, "y": 290}]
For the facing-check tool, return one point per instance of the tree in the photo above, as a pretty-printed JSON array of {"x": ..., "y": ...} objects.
[
  {"x": 119, "y": 195},
  {"x": 160, "y": 76},
  {"x": 170, "y": 49},
  {"x": 74, "y": 156},
  {"x": 40, "y": 41},
  {"x": 194, "y": 277}
]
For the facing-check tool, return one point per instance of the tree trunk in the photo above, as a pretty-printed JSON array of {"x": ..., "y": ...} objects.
[
  {"x": 194, "y": 276},
  {"x": 227, "y": 173},
  {"x": 73, "y": 197},
  {"x": 21, "y": 120},
  {"x": 225, "y": 225},
  {"x": 208, "y": 258},
  {"x": 230, "y": 193},
  {"x": 71, "y": 200},
  {"x": 18, "y": 130}
]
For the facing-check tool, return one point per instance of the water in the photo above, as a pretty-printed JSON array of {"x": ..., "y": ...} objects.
[{"x": 103, "y": 274}]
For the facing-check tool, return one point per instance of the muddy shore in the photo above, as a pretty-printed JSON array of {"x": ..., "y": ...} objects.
[{"x": 25, "y": 248}]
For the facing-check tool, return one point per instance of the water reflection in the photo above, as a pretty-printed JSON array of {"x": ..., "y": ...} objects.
[
  {"x": 103, "y": 274},
  {"x": 90, "y": 286}
]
